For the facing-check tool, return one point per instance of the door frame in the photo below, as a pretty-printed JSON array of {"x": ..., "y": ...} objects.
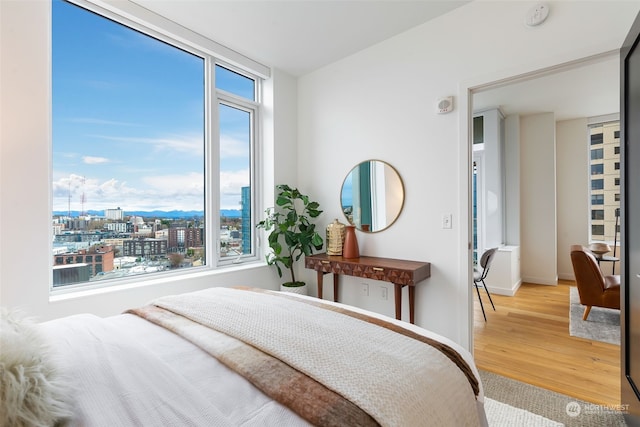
[
  {"x": 630, "y": 395},
  {"x": 466, "y": 90}
]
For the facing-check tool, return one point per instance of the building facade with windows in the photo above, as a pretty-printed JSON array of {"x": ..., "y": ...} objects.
[
  {"x": 114, "y": 214},
  {"x": 145, "y": 248},
  {"x": 97, "y": 260},
  {"x": 605, "y": 181},
  {"x": 182, "y": 238}
]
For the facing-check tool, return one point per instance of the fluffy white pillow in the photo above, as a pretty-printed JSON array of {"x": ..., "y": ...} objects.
[{"x": 32, "y": 393}]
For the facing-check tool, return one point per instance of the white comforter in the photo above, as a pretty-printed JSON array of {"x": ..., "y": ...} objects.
[{"x": 130, "y": 372}]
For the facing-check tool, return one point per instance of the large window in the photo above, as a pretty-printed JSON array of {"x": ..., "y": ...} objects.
[
  {"x": 605, "y": 180},
  {"x": 148, "y": 136}
]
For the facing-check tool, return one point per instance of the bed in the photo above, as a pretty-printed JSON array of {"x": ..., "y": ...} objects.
[{"x": 242, "y": 356}]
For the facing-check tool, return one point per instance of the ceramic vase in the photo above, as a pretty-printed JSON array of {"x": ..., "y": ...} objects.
[{"x": 350, "y": 248}]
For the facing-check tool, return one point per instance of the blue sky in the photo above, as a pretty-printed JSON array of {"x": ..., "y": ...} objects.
[{"x": 128, "y": 120}]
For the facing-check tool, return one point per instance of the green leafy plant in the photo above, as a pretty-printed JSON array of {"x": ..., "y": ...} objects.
[{"x": 292, "y": 232}]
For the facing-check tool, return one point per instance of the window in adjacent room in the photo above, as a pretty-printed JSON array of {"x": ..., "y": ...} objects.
[
  {"x": 605, "y": 180},
  {"x": 147, "y": 134}
]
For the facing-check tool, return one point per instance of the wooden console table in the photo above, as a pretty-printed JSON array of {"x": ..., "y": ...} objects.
[{"x": 399, "y": 272}]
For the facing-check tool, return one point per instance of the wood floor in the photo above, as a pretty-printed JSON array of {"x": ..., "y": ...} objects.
[{"x": 527, "y": 339}]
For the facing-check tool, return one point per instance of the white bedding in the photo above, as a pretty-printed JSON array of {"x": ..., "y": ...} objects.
[{"x": 127, "y": 371}]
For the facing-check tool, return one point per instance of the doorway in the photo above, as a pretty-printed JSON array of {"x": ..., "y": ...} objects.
[{"x": 566, "y": 91}]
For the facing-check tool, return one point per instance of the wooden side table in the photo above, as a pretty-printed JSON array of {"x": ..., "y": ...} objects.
[{"x": 399, "y": 272}]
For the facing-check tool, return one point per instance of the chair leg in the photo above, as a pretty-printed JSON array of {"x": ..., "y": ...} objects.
[
  {"x": 587, "y": 309},
  {"x": 485, "y": 288},
  {"x": 480, "y": 299}
]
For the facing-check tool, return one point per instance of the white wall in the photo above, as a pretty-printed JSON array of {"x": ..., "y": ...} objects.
[
  {"x": 493, "y": 177},
  {"x": 512, "y": 178},
  {"x": 380, "y": 103},
  {"x": 25, "y": 169},
  {"x": 573, "y": 190},
  {"x": 538, "y": 199}
]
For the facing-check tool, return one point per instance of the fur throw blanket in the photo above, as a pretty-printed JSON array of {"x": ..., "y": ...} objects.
[{"x": 31, "y": 391}]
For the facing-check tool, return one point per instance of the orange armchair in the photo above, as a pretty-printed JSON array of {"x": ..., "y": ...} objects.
[{"x": 594, "y": 288}]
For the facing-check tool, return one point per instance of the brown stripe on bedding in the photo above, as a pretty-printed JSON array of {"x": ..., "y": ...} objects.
[
  {"x": 305, "y": 396},
  {"x": 452, "y": 354}
]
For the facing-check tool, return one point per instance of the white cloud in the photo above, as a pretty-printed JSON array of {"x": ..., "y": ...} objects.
[
  {"x": 233, "y": 147},
  {"x": 177, "y": 185},
  {"x": 91, "y": 160},
  {"x": 231, "y": 184},
  {"x": 181, "y": 143},
  {"x": 94, "y": 121}
]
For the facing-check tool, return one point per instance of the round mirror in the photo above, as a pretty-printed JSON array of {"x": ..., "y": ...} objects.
[{"x": 372, "y": 196}]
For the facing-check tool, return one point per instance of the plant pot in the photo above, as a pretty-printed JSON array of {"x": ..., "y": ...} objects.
[{"x": 300, "y": 288}]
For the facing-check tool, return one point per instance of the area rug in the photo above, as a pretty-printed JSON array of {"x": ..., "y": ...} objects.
[
  {"x": 502, "y": 415},
  {"x": 603, "y": 324},
  {"x": 549, "y": 408}
]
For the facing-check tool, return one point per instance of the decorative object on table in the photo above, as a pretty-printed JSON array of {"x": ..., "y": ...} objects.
[
  {"x": 292, "y": 232},
  {"x": 335, "y": 237},
  {"x": 350, "y": 248},
  {"x": 599, "y": 249}
]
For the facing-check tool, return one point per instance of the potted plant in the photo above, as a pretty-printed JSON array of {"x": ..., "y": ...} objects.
[{"x": 292, "y": 232}]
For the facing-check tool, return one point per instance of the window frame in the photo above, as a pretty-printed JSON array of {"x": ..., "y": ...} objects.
[
  {"x": 212, "y": 53},
  {"x": 253, "y": 107}
]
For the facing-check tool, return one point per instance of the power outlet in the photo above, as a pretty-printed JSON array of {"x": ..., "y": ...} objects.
[
  {"x": 365, "y": 289},
  {"x": 384, "y": 292}
]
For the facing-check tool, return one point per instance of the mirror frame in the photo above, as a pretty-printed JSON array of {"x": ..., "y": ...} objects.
[{"x": 390, "y": 222}]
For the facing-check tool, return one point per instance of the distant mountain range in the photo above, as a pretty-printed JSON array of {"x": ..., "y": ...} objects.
[{"x": 231, "y": 213}]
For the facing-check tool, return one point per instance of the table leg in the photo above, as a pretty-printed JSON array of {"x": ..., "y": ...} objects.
[
  {"x": 398, "y": 300},
  {"x": 335, "y": 287},
  {"x": 320, "y": 274},
  {"x": 412, "y": 303}
]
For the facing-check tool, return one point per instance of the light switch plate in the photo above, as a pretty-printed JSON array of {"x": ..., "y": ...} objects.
[{"x": 446, "y": 221}]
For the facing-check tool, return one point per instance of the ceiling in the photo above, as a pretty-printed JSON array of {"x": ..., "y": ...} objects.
[
  {"x": 588, "y": 89},
  {"x": 300, "y": 36}
]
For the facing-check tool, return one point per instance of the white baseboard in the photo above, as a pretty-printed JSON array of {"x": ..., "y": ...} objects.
[
  {"x": 508, "y": 292},
  {"x": 541, "y": 280},
  {"x": 567, "y": 276}
]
